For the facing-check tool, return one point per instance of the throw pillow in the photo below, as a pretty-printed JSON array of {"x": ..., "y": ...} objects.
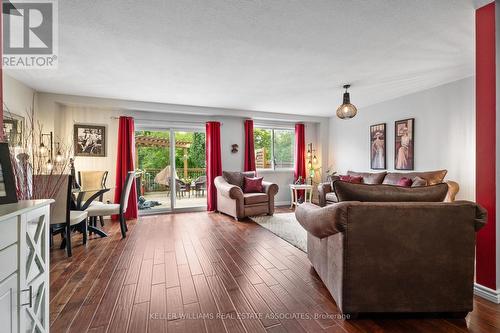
[
  {"x": 252, "y": 185},
  {"x": 389, "y": 193},
  {"x": 405, "y": 182},
  {"x": 369, "y": 177},
  {"x": 418, "y": 182},
  {"x": 352, "y": 179}
]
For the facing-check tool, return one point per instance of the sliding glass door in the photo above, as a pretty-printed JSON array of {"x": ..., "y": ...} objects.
[{"x": 172, "y": 176}]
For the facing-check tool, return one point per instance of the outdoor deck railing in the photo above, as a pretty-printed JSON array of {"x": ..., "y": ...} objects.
[{"x": 148, "y": 178}]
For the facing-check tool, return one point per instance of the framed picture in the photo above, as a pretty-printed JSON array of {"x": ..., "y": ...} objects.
[
  {"x": 13, "y": 127},
  {"x": 404, "y": 142},
  {"x": 377, "y": 147},
  {"x": 89, "y": 140},
  {"x": 7, "y": 184}
]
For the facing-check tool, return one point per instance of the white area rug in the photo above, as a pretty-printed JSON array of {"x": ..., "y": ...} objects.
[{"x": 286, "y": 227}]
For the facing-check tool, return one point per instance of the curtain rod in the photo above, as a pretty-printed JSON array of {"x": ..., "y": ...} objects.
[{"x": 172, "y": 121}]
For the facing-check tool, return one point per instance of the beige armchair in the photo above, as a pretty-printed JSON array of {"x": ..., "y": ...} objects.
[{"x": 232, "y": 201}]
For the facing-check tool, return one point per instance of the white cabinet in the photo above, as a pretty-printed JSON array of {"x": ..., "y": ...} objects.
[
  {"x": 24, "y": 262},
  {"x": 8, "y": 304}
]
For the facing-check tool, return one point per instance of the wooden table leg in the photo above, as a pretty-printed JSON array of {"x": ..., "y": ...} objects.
[{"x": 291, "y": 198}]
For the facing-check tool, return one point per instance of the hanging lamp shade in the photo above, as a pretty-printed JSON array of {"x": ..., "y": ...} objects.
[{"x": 346, "y": 110}]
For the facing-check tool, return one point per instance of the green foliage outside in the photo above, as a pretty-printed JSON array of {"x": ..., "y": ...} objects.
[
  {"x": 158, "y": 157},
  {"x": 284, "y": 141},
  {"x": 283, "y": 148}
]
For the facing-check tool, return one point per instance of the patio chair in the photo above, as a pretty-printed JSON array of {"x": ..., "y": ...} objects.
[
  {"x": 181, "y": 188},
  {"x": 200, "y": 185}
]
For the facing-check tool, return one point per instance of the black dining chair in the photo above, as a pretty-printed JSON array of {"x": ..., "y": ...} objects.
[
  {"x": 108, "y": 209},
  {"x": 63, "y": 220},
  {"x": 93, "y": 180}
]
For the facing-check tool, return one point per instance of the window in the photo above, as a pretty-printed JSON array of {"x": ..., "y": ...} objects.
[{"x": 274, "y": 148}]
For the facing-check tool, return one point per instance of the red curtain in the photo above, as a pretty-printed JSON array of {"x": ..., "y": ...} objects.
[
  {"x": 125, "y": 163},
  {"x": 214, "y": 163},
  {"x": 249, "y": 147},
  {"x": 300, "y": 154}
]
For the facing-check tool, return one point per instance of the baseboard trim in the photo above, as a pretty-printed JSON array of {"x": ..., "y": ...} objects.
[{"x": 487, "y": 293}]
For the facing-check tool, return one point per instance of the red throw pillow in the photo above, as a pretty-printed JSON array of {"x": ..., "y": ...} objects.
[
  {"x": 252, "y": 185},
  {"x": 352, "y": 179},
  {"x": 405, "y": 182}
]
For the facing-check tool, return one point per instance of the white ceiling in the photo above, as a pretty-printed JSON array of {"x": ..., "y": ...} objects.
[{"x": 287, "y": 56}]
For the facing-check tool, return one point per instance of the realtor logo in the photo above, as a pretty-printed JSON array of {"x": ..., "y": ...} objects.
[{"x": 30, "y": 34}]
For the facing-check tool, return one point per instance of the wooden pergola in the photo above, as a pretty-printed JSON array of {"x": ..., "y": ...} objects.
[{"x": 150, "y": 141}]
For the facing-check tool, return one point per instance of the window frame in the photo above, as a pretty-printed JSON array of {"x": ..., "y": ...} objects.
[{"x": 273, "y": 162}]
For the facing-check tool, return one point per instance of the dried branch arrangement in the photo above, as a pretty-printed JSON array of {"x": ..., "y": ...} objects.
[{"x": 32, "y": 158}]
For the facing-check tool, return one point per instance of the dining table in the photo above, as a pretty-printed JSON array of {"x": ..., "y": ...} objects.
[{"x": 83, "y": 198}]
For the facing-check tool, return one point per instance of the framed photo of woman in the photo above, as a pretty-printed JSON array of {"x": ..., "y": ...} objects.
[
  {"x": 377, "y": 147},
  {"x": 404, "y": 143}
]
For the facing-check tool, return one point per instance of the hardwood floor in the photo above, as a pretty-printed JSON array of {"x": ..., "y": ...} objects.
[{"x": 198, "y": 272}]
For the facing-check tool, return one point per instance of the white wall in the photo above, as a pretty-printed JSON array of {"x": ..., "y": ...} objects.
[
  {"x": 60, "y": 112},
  {"x": 17, "y": 97},
  {"x": 444, "y": 133}
]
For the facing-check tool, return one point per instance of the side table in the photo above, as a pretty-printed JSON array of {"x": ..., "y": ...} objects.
[{"x": 293, "y": 192}]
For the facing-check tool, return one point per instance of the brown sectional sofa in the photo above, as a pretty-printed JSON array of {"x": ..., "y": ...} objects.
[
  {"x": 232, "y": 201},
  {"x": 327, "y": 195},
  {"x": 395, "y": 256}
]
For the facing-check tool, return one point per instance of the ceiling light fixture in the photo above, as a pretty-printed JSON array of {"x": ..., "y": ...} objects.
[{"x": 346, "y": 110}]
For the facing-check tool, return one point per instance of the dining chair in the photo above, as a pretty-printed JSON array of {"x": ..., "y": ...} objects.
[
  {"x": 93, "y": 180},
  {"x": 108, "y": 209},
  {"x": 62, "y": 219}
]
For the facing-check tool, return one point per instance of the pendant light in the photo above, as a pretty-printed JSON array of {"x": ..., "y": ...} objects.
[{"x": 346, "y": 110}]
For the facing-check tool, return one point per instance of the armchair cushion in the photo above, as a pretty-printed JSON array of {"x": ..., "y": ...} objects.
[
  {"x": 236, "y": 177},
  {"x": 255, "y": 198}
]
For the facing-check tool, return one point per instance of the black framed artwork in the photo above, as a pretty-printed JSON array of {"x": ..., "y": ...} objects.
[
  {"x": 378, "y": 147},
  {"x": 7, "y": 183},
  {"x": 89, "y": 140},
  {"x": 404, "y": 144}
]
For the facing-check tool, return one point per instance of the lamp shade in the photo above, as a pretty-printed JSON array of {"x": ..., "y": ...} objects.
[{"x": 346, "y": 110}]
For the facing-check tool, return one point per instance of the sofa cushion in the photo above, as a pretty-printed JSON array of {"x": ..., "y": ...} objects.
[
  {"x": 255, "y": 198},
  {"x": 352, "y": 179},
  {"x": 432, "y": 177},
  {"x": 418, "y": 181},
  {"x": 405, "y": 182},
  {"x": 369, "y": 177},
  {"x": 389, "y": 193},
  {"x": 236, "y": 177},
  {"x": 331, "y": 197}
]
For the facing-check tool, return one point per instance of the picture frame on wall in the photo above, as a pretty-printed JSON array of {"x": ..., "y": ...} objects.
[
  {"x": 404, "y": 144},
  {"x": 13, "y": 129},
  {"x": 89, "y": 140},
  {"x": 7, "y": 184},
  {"x": 378, "y": 147}
]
